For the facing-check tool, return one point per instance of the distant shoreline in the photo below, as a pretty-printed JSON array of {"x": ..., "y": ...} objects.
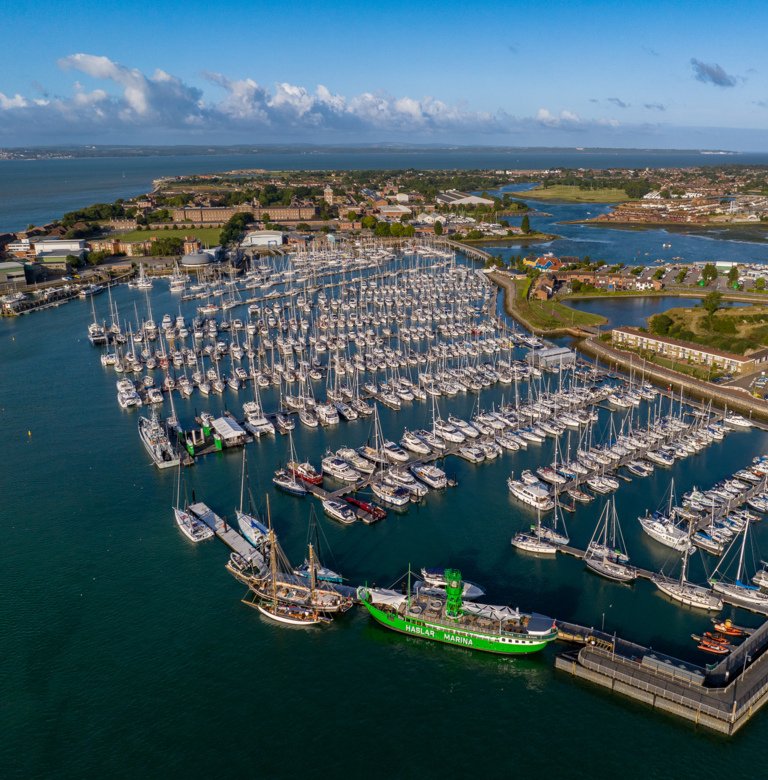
[{"x": 758, "y": 232}]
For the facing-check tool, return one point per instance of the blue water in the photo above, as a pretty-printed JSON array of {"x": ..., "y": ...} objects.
[
  {"x": 41, "y": 190},
  {"x": 614, "y": 245},
  {"x": 633, "y": 311},
  {"x": 127, "y": 651}
]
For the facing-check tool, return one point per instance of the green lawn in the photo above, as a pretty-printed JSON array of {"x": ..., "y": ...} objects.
[
  {"x": 209, "y": 236},
  {"x": 546, "y": 315},
  {"x": 575, "y": 194}
]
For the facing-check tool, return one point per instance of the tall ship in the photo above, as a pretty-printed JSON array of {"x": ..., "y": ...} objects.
[{"x": 449, "y": 619}]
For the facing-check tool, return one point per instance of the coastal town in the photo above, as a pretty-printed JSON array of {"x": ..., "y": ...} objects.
[{"x": 236, "y": 216}]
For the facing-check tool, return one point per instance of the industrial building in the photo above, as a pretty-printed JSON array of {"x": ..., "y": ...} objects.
[
  {"x": 262, "y": 238},
  {"x": 551, "y": 358}
]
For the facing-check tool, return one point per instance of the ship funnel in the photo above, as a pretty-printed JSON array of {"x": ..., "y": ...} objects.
[{"x": 454, "y": 588}]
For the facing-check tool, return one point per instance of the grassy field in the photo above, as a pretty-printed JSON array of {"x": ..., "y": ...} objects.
[
  {"x": 208, "y": 236},
  {"x": 548, "y": 315},
  {"x": 737, "y": 329},
  {"x": 533, "y": 236},
  {"x": 574, "y": 194}
]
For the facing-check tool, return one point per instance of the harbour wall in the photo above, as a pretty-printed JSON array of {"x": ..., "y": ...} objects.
[{"x": 722, "y": 396}]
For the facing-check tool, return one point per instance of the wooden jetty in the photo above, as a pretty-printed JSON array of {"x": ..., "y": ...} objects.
[{"x": 227, "y": 534}]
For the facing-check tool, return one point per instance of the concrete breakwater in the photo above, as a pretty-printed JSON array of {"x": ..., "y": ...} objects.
[{"x": 721, "y": 396}]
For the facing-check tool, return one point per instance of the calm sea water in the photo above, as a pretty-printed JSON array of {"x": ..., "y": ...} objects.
[
  {"x": 634, "y": 247},
  {"x": 633, "y": 311},
  {"x": 38, "y": 191},
  {"x": 127, "y": 651}
]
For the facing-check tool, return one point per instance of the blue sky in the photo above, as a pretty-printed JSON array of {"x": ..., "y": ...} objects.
[{"x": 648, "y": 74}]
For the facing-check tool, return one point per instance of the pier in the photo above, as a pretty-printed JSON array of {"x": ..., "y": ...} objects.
[
  {"x": 228, "y": 535},
  {"x": 721, "y": 698}
]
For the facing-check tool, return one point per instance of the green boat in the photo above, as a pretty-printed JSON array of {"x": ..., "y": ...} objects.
[{"x": 491, "y": 629}]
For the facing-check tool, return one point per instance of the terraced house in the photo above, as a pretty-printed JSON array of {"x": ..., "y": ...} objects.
[{"x": 686, "y": 351}]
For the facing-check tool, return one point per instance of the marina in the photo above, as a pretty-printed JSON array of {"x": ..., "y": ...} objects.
[
  {"x": 467, "y": 520},
  {"x": 351, "y": 402}
]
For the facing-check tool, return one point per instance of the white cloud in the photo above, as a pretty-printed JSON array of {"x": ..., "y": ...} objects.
[
  {"x": 17, "y": 101},
  {"x": 125, "y": 101}
]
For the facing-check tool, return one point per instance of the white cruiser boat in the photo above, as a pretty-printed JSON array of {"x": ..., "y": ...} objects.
[
  {"x": 412, "y": 442},
  {"x": 663, "y": 530},
  {"x": 534, "y": 495},
  {"x": 394, "y": 452},
  {"x": 339, "y": 469},
  {"x": 155, "y": 439},
  {"x": 430, "y": 475},
  {"x": 357, "y": 461},
  {"x": 339, "y": 510}
]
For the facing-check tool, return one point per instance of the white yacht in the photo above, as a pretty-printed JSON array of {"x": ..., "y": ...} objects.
[
  {"x": 534, "y": 495},
  {"x": 338, "y": 468},
  {"x": 154, "y": 437},
  {"x": 339, "y": 510},
  {"x": 663, "y": 530},
  {"x": 430, "y": 475}
]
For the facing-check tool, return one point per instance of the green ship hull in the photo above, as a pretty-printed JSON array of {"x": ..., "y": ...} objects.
[{"x": 471, "y": 639}]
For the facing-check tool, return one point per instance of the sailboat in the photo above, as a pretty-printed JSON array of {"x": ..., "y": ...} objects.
[
  {"x": 606, "y": 553},
  {"x": 552, "y": 532},
  {"x": 742, "y": 593},
  {"x": 663, "y": 529},
  {"x": 252, "y": 528},
  {"x": 687, "y": 592},
  {"x": 534, "y": 541},
  {"x": 295, "y": 614},
  {"x": 286, "y": 479},
  {"x": 312, "y": 566},
  {"x": 192, "y": 527}
]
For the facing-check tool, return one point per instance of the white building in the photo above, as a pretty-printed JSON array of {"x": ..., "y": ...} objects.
[
  {"x": 394, "y": 212},
  {"x": 263, "y": 238},
  {"x": 456, "y": 198}
]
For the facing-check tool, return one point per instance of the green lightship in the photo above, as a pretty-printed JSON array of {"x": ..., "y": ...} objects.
[{"x": 448, "y": 619}]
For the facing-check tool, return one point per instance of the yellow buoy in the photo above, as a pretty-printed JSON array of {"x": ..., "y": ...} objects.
[{"x": 29, "y": 433}]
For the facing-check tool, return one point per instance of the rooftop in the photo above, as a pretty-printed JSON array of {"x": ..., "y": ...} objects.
[{"x": 692, "y": 345}]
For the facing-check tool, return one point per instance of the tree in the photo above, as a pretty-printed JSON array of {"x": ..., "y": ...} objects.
[
  {"x": 438, "y": 228},
  {"x": 680, "y": 278},
  {"x": 733, "y": 276},
  {"x": 658, "y": 274},
  {"x": 712, "y": 302},
  {"x": 369, "y": 222},
  {"x": 760, "y": 284},
  {"x": 166, "y": 247},
  {"x": 525, "y": 225},
  {"x": 351, "y": 216},
  {"x": 231, "y": 233},
  {"x": 709, "y": 273},
  {"x": 660, "y": 324}
]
